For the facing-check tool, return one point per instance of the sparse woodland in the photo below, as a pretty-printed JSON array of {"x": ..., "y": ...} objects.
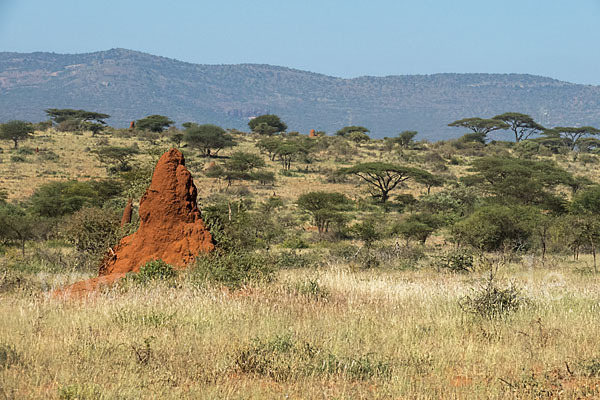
[{"x": 345, "y": 267}]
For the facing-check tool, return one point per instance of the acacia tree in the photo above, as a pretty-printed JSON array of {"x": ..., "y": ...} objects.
[
  {"x": 383, "y": 177},
  {"x": 154, "y": 123},
  {"x": 117, "y": 157},
  {"x": 324, "y": 207},
  {"x": 405, "y": 138},
  {"x": 347, "y": 130},
  {"x": 16, "y": 225},
  {"x": 288, "y": 152},
  {"x": 586, "y": 209},
  {"x": 209, "y": 138},
  {"x": 522, "y": 125},
  {"x": 59, "y": 115},
  {"x": 572, "y": 135},
  {"x": 267, "y": 124},
  {"x": 480, "y": 127},
  {"x": 16, "y": 131}
]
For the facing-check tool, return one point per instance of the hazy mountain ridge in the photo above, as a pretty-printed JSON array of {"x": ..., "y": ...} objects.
[{"x": 129, "y": 85}]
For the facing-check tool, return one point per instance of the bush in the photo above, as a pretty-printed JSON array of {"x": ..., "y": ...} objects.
[
  {"x": 16, "y": 158},
  {"x": 457, "y": 261},
  {"x": 491, "y": 301},
  {"x": 91, "y": 230},
  {"x": 8, "y": 356},
  {"x": 312, "y": 289},
  {"x": 292, "y": 259},
  {"x": 151, "y": 271},
  {"x": 234, "y": 269}
]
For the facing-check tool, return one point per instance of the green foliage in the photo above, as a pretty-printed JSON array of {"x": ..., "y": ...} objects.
[
  {"x": 460, "y": 261},
  {"x": 572, "y": 136},
  {"x": 358, "y": 137},
  {"x": 492, "y": 301},
  {"x": 233, "y": 269},
  {"x": 495, "y": 227},
  {"x": 59, "y": 198},
  {"x": 522, "y": 125},
  {"x": 16, "y": 131},
  {"x": 17, "y": 225},
  {"x": 117, "y": 157},
  {"x": 346, "y": 131},
  {"x": 154, "y": 123},
  {"x": 480, "y": 127},
  {"x": 91, "y": 230},
  {"x": 267, "y": 124},
  {"x": 312, "y": 289},
  {"x": 418, "y": 226},
  {"x": 208, "y": 138},
  {"x": 324, "y": 207},
  {"x": 405, "y": 138},
  {"x": 152, "y": 271},
  {"x": 59, "y": 115},
  {"x": 269, "y": 146},
  {"x": 8, "y": 356},
  {"x": 288, "y": 151},
  {"x": 512, "y": 180},
  {"x": 383, "y": 177}
]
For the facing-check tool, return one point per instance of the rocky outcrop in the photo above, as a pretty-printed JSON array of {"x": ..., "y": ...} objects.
[{"x": 171, "y": 227}]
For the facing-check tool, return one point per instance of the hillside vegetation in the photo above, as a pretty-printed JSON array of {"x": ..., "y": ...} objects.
[
  {"x": 129, "y": 85},
  {"x": 345, "y": 267}
]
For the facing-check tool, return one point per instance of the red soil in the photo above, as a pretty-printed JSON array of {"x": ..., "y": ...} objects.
[{"x": 171, "y": 228}]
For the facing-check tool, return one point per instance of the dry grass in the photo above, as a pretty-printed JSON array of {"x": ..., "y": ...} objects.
[{"x": 391, "y": 334}]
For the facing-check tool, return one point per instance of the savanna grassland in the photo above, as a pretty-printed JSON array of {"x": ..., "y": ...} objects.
[{"x": 423, "y": 297}]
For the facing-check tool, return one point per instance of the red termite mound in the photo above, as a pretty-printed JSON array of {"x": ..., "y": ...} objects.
[
  {"x": 127, "y": 214},
  {"x": 171, "y": 227}
]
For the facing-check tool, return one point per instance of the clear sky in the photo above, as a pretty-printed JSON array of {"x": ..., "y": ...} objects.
[{"x": 346, "y": 38}]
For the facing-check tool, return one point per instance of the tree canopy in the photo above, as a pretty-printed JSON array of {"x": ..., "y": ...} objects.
[
  {"x": 522, "y": 125},
  {"x": 346, "y": 131},
  {"x": 481, "y": 127},
  {"x": 209, "y": 138},
  {"x": 154, "y": 123},
  {"x": 267, "y": 124},
  {"x": 324, "y": 207},
  {"x": 383, "y": 177},
  {"x": 16, "y": 131},
  {"x": 59, "y": 115}
]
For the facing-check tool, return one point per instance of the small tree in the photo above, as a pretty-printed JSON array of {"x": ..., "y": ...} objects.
[
  {"x": 418, "y": 226},
  {"x": 154, "y": 123},
  {"x": 346, "y": 131},
  {"x": 382, "y": 177},
  {"x": 522, "y": 125},
  {"x": 586, "y": 209},
  {"x": 16, "y": 131},
  {"x": 324, "y": 207},
  {"x": 59, "y": 115},
  {"x": 269, "y": 146},
  {"x": 288, "y": 152},
  {"x": 480, "y": 127},
  {"x": 572, "y": 136},
  {"x": 117, "y": 157},
  {"x": 358, "y": 137},
  {"x": 267, "y": 124},
  {"x": 405, "y": 138},
  {"x": 210, "y": 139},
  {"x": 16, "y": 225}
]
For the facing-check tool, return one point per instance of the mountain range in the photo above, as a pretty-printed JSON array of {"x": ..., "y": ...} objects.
[{"x": 129, "y": 85}]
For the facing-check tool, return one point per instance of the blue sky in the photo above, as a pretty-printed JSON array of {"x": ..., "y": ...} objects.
[{"x": 346, "y": 38}]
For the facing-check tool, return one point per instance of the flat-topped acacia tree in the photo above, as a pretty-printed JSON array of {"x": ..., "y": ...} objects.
[
  {"x": 384, "y": 177},
  {"x": 522, "y": 125}
]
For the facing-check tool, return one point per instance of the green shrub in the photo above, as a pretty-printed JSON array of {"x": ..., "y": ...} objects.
[
  {"x": 234, "y": 269},
  {"x": 312, "y": 289},
  {"x": 491, "y": 301},
  {"x": 17, "y": 158},
  {"x": 294, "y": 242},
  {"x": 152, "y": 271},
  {"x": 25, "y": 151},
  {"x": 293, "y": 259},
  {"x": 8, "y": 356},
  {"x": 457, "y": 261}
]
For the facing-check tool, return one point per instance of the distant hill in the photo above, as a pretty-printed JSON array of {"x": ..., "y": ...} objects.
[{"x": 129, "y": 85}]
